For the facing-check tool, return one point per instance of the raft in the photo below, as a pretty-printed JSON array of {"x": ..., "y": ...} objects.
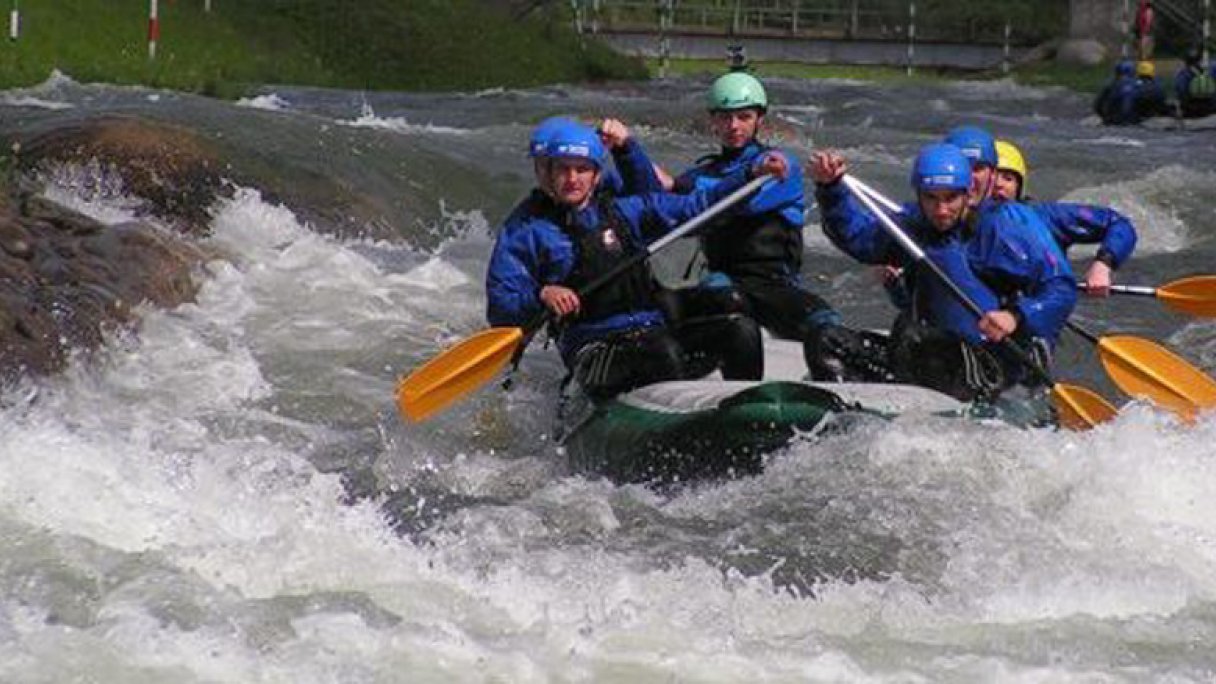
[{"x": 712, "y": 428}]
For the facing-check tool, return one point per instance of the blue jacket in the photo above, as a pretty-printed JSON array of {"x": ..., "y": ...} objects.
[
  {"x": 532, "y": 251},
  {"x": 1117, "y": 104},
  {"x": 785, "y": 198},
  {"x": 631, "y": 172},
  {"x": 1072, "y": 224},
  {"x": 764, "y": 237},
  {"x": 1002, "y": 262}
]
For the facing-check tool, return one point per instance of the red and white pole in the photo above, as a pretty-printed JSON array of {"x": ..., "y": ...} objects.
[{"x": 153, "y": 28}]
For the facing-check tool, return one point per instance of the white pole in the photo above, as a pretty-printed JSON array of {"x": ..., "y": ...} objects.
[
  {"x": 153, "y": 28},
  {"x": 911, "y": 34},
  {"x": 665, "y": 21},
  {"x": 1005, "y": 55},
  {"x": 1207, "y": 28},
  {"x": 14, "y": 22},
  {"x": 206, "y": 5},
  {"x": 1127, "y": 28}
]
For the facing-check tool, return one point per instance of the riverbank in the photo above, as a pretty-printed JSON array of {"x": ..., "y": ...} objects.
[{"x": 385, "y": 45}]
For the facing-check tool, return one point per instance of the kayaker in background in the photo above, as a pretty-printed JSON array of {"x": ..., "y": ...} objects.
[
  {"x": 567, "y": 232},
  {"x": 754, "y": 256},
  {"x": 1070, "y": 223},
  {"x": 1150, "y": 95},
  {"x": 1195, "y": 87},
  {"x": 1117, "y": 105},
  {"x": 995, "y": 253}
]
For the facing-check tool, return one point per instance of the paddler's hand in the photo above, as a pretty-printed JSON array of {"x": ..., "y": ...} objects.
[
  {"x": 827, "y": 167},
  {"x": 1097, "y": 280},
  {"x": 997, "y": 325},
  {"x": 614, "y": 133},
  {"x": 562, "y": 301},
  {"x": 773, "y": 164}
]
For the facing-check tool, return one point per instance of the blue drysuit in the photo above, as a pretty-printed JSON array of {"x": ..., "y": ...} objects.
[{"x": 1002, "y": 262}]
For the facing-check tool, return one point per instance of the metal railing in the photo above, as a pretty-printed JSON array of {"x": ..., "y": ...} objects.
[{"x": 844, "y": 19}]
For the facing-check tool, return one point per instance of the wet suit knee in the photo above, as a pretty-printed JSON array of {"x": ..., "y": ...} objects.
[
  {"x": 622, "y": 362},
  {"x": 714, "y": 325}
]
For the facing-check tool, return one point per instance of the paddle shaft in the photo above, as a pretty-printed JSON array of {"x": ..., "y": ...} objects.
[
  {"x": 1137, "y": 290},
  {"x": 538, "y": 321},
  {"x": 918, "y": 255}
]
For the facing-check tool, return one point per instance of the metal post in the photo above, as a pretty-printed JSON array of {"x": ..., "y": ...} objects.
[
  {"x": 1127, "y": 28},
  {"x": 1207, "y": 28},
  {"x": 14, "y": 22},
  {"x": 153, "y": 28},
  {"x": 1005, "y": 53},
  {"x": 666, "y": 9},
  {"x": 576, "y": 7},
  {"x": 911, "y": 34}
]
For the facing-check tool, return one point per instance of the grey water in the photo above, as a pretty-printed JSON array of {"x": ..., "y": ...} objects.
[{"x": 229, "y": 495}]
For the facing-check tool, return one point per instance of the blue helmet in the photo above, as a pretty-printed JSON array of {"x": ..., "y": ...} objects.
[
  {"x": 543, "y": 131},
  {"x": 1125, "y": 67},
  {"x": 975, "y": 142},
  {"x": 941, "y": 166},
  {"x": 573, "y": 140}
]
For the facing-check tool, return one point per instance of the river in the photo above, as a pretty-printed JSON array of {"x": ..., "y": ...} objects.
[{"x": 228, "y": 494}]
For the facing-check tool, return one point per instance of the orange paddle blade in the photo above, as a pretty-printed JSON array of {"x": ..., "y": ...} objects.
[
  {"x": 456, "y": 372},
  {"x": 1195, "y": 296},
  {"x": 1080, "y": 408},
  {"x": 1143, "y": 368}
]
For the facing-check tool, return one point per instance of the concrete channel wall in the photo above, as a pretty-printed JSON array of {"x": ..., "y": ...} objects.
[{"x": 816, "y": 51}]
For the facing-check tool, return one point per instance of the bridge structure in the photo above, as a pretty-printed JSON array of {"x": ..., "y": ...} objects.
[{"x": 889, "y": 32}]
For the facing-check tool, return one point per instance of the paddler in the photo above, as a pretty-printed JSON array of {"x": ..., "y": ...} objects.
[
  {"x": 993, "y": 252},
  {"x": 1070, "y": 223},
  {"x": 568, "y": 232},
  {"x": 754, "y": 256}
]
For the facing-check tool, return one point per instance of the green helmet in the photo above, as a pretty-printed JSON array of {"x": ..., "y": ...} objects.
[{"x": 736, "y": 90}]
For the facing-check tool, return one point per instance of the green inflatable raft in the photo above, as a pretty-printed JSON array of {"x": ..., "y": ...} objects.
[{"x": 702, "y": 429}]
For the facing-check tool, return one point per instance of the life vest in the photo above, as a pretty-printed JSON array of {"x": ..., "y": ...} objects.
[
  {"x": 600, "y": 250},
  {"x": 763, "y": 245},
  {"x": 1202, "y": 87}
]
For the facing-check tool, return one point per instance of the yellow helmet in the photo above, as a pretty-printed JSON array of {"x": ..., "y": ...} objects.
[
  {"x": 1009, "y": 158},
  {"x": 1146, "y": 69}
]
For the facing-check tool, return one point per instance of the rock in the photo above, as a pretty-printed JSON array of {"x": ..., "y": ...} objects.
[{"x": 1082, "y": 51}]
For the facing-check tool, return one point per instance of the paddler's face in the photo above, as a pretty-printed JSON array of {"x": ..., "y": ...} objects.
[
  {"x": 737, "y": 127},
  {"x": 572, "y": 180},
  {"x": 943, "y": 208},
  {"x": 1008, "y": 186},
  {"x": 981, "y": 182}
]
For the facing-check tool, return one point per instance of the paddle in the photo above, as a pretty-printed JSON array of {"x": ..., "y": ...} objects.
[
  {"x": 1145, "y": 369},
  {"x": 1076, "y": 407},
  {"x": 471, "y": 363},
  {"x": 1195, "y": 296},
  {"x": 1140, "y": 367}
]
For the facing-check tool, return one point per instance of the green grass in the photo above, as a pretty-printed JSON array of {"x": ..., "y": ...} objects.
[
  {"x": 1080, "y": 78},
  {"x": 372, "y": 44}
]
